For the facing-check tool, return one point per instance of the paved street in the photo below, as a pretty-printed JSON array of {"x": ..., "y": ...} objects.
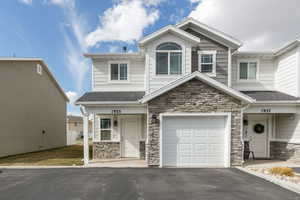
[{"x": 137, "y": 184}]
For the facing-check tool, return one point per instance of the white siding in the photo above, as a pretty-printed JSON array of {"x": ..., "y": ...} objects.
[
  {"x": 266, "y": 70},
  {"x": 287, "y": 128},
  {"x": 157, "y": 81},
  {"x": 101, "y": 76},
  {"x": 286, "y": 73}
]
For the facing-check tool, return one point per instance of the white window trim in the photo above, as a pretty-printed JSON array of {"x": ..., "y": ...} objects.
[
  {"x": 119, "y": 62},
  {"x": 248, "y": 61},
  {"x": 111, "y": 128},
  {"x": 169, "y": 51},
  {"x": 212, "y": 52}
]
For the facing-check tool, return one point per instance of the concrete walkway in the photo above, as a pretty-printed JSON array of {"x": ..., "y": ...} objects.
[{"x": 119, "y": 163}]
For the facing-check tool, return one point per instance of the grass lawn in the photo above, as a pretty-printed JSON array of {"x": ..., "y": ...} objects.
[{"x": 66, "y": 156}]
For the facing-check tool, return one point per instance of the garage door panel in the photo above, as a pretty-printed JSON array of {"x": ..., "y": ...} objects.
[{"x": 193, "y": 141}]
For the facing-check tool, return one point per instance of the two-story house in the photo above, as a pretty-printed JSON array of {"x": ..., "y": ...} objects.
[{"x": 189, "y": 97}]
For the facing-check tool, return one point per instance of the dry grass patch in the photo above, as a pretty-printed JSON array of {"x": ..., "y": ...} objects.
[
  {"x": 282, "y": 171},
  {"x": 65, "y": 156}
]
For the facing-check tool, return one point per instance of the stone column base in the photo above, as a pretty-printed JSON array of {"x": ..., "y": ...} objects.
[
  {"x": 284, "y": 151},
  {"x": 106, "y": 150}
]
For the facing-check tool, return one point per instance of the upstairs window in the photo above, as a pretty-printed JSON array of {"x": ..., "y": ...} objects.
[
  {"x": 207, "y": 62},
  {"x": 248, "y": 70},
  {"x": 118, "y": 71},
  {"x": 168, "y": 59}
]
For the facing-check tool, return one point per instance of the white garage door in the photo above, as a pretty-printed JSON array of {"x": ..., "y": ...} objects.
[{"x": 194, "y": 141}]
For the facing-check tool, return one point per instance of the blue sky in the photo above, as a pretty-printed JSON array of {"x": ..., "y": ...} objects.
[{"x": 60, "y": 31}]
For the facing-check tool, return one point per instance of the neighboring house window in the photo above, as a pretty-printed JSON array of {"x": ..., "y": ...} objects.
[
  {"x": 207, "y": 62},
  {"x": 247, "y": 70},
  {"x": 168, "y": 59},
  {"x": 105, "y": 128},
  {"x": 118, "y": 71},
  {"x": 39, "y": 69}
]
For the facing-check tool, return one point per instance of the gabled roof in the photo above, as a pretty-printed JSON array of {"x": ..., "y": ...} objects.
[
  {"x": 169, "y": 29},
  {"x": 211, "y": 33},
  {"x": 203, "y": 78},
  {"x": 287, "y": 47},
  {"x": 45, "y": 67},
  {"x": 271, "y": 96}
]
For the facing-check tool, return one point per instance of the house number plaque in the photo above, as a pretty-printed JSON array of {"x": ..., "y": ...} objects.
[
  {"x": 265, "y": 110},
  {"x": 116, "y": 112}
]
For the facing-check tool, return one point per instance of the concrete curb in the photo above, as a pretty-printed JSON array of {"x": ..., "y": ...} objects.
[{"x": 282, "y": 183}]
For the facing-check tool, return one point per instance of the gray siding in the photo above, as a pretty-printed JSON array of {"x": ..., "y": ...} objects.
[
  {"x": 222, "y": 56},
  {"x": 29, "y": 103}
]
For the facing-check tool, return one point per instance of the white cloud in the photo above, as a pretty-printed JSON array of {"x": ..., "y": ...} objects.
[
  {"x": 72, "y": 96},
  {"x": 28, "y": 2},
  {"x": 113, "y": 49},
  {"x": 153, "y": 2},
  {"x": 74, "y": 27},
  {"x": 261, "y": 25},
  {"x": 125, "y": 21}
]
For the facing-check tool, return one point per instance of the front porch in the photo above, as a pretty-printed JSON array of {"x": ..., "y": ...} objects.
[{"x": 270, "y": 132}]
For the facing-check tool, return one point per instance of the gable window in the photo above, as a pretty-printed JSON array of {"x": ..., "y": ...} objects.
[
  {"x": 168, "y": 59},
  {"x": 207, "y": 62},
  {"x": 105, "y": 128},
  {"x": 248, "y": 70},
  {"x": 118, "y": 71}
]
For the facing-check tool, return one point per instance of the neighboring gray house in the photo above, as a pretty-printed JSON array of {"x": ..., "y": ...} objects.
[
  {"x": 33, "y": 107},
  {"x": 189, "y": 97}
]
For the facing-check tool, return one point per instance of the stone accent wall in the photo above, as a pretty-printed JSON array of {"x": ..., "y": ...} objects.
[
  {"x": 194, "y": 96},
  {"x": 106, "y": 150},
  {"x": 142, "y": 150},
  {"x": 284, "y": 151}
]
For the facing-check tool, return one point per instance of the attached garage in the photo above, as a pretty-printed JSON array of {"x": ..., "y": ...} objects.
[{"x": 195, "y": 140}]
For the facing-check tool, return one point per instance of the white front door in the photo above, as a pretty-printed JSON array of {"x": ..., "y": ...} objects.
[
  {"x": 258, "y": 132},
  {"x": 130, "y": 137}
]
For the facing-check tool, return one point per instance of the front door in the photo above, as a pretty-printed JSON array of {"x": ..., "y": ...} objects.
[
  {"x": 258, "y": 132},
  {"x": 130, "y": 139}
]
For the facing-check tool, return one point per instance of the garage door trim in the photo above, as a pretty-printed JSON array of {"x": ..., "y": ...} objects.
[{"x": 227, "y": 137}]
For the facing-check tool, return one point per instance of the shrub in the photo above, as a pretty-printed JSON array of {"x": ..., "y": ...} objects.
[{"x": 282, "y": 171}]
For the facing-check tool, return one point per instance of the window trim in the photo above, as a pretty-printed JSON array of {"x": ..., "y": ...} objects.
[
  {"x": 214, "y": 54},
  {"x": 118, "y": 62},
  {"x": 247, "y": 61},
  {"x": 168, "y": 51},
  {"x": 111, "y": 127}
]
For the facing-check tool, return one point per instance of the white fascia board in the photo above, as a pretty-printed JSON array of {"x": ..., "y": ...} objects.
[
  {"x": 287, "y": 47},
  {"x": 172, "y": 29},
  {"x": 114, "y": 55},
  {"x": 203, "y": 78},
  {"x": 108, "y": 103},
  {"x": 210, "y": 29},
  {"x": 277, "y": 102}
]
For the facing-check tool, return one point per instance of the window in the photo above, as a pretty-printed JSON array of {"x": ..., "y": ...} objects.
[
  {"x": 105, "y": 128},
  {"x": 75, "y": 124},
  {"x": 247, "y": 70},
  {"x": 207, "y": 62},
  {"x": 39, "y": 69},
  {"x": 119, "y": 71},
  {"x": 168, "y": 59}
]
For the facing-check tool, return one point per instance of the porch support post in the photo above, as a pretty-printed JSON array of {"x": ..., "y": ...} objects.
[{"x": 85, "y": 139}]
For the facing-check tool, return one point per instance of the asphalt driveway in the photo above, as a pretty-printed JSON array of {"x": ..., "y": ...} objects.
[{"x": 137, "y": 184}]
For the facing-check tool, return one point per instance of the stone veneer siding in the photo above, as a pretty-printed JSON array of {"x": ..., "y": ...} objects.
[
  {"x": 194, "y": 96},
  {"x": 284, "y": 151},
  {"x": 106, "y": 150},
  {"x": 142, "y": 150}
]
